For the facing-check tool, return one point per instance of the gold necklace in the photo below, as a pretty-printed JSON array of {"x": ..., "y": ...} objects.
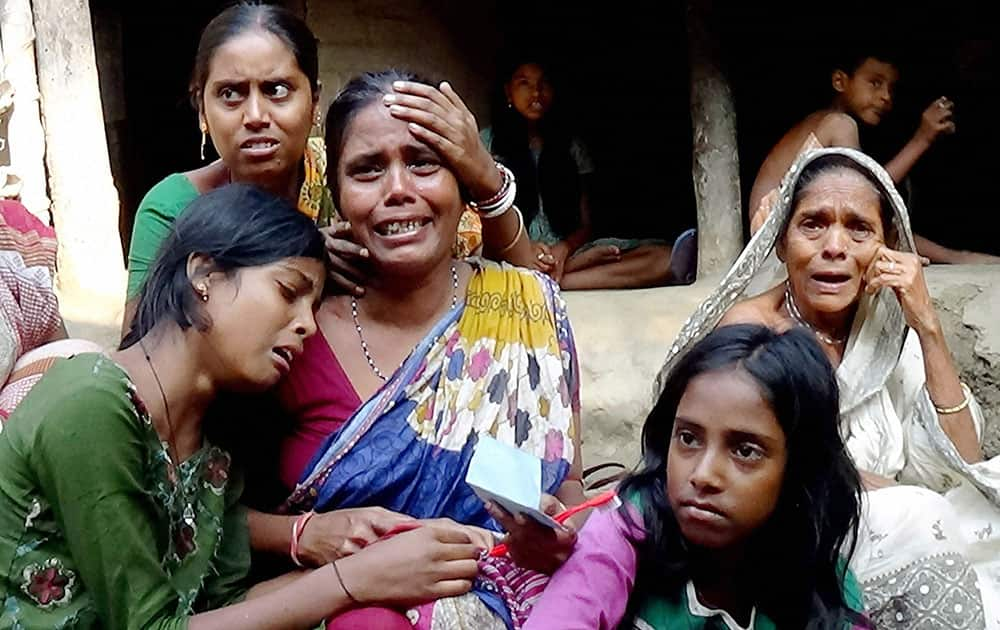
[{"x": 793, "y": 310}]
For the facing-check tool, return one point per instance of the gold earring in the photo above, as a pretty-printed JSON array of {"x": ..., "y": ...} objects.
[
  {"x": 202, "y": 292},
  {"x": 204, "y": 141}
]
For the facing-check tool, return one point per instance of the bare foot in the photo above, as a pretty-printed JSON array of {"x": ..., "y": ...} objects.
[{"x": 597, "y": 255}]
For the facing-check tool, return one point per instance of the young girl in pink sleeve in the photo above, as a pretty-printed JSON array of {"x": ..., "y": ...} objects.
[{"x": 743, "y": 512}]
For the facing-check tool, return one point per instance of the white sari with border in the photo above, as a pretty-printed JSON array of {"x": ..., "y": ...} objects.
[{"x": 928, "y": 554}]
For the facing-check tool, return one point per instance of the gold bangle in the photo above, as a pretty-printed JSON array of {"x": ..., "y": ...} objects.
[
  {"x": 517, "y": 236},
  {"x": 944, "y": 411}
]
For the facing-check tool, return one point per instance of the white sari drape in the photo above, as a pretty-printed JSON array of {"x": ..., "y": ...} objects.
[{"x": 928, "y": 553}]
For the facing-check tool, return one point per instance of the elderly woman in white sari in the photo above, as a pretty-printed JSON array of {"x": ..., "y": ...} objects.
[{"x": 837, "y": 257}]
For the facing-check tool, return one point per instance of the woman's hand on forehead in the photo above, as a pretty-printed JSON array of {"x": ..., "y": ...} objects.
[{"x": 439, "y": 118}]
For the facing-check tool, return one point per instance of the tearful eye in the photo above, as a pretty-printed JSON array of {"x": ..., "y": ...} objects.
[
  {"x": 365, "y": 172},
  {"x": 810, "y": 226},
  {"x": 423, "y": 167},
  {"x": 286, "y": 292},
  {"x": 861, "y": 232}
]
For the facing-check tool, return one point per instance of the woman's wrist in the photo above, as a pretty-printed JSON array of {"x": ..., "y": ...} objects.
[
  {"x": 488, "y": 183},
  {"x": 348, "y": 574},
  {"x": 929, "y": 330},
  {"x": 501, "y": 200},
  {"x": 298, "y": 529}
]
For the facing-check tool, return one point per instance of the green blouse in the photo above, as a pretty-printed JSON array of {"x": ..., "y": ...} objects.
[
  {"x": 98, "y": 528},
  {"x": 156, "y": 215}
]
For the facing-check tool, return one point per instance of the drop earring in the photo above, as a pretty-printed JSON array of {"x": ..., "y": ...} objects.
[{"x": 204, "y": 141}]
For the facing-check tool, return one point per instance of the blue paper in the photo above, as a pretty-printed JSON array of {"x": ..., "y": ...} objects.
[{"x": 508, "y": 477}]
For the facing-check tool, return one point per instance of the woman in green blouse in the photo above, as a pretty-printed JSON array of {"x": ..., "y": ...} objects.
[{"x": 117, "y": 512}]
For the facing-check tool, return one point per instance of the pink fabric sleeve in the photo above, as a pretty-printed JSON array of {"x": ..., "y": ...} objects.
[{"x": 591, "y": 590}]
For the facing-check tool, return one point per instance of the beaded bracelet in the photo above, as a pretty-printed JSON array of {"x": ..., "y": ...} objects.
[
  {"x": 517, "y": 235},
  {"x": 297, "y": 528},
  {"x": 944, "y": 411}
]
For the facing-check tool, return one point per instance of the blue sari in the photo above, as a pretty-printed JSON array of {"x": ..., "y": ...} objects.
[{"x": 501, "y": 363}]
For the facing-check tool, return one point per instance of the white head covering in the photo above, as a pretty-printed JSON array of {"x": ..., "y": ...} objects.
[{"x": 879, "y": 320}]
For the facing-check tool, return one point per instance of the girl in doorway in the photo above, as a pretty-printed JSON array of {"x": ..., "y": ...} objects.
[
  {"x": 553, "y": 169},
  {"x": 745, "y": 507}
]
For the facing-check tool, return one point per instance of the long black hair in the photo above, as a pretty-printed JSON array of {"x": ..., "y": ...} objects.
[
  {"x": 235, "y": 226},
  {"x": 556, "y": 179},
  {"x": 242, "y": 17},
  {"x": 800, "y": 554}
]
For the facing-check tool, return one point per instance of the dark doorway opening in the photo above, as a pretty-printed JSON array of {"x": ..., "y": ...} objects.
[
  {"x": 625, "y": 76},
  {"x": 780, "y": 55},
  {"x": 145, "y": 54}
]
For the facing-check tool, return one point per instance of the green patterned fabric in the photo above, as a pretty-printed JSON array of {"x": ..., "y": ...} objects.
[{"x": 98, "y": 527}]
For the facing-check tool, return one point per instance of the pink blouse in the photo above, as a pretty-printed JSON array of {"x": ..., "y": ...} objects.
[{"x": 320, "y": 398}]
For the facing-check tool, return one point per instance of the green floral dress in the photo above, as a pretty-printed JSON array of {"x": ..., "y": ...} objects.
[{"x": 98, "y": 527}]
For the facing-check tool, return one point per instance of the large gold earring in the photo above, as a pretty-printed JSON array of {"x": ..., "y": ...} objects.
[{"x": 204, "y": 141}]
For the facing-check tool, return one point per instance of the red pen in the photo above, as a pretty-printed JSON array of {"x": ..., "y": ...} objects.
[
  {"x": 399, "y": 529},
  {"x": 602, "y": 499}
]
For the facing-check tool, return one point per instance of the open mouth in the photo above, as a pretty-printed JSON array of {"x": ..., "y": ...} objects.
[
  {"x": 396, "y": 228},
  {"x": 832, "y": 278},
  {"x": 284, "y": 358},
  {"x": 259, "y": 144}
]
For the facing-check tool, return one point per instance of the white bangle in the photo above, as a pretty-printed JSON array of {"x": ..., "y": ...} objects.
[{"x": 502, "y": 200}]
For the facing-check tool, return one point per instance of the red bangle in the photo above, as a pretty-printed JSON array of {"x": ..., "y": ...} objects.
[
  {"x": 297, "y": 528},
  {"x": 506, "y": 177}
]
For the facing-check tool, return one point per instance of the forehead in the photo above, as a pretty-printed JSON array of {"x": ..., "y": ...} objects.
[
  {"x": 310, "y": 268},
  {"x": 529, "y": 71},
  {"x": 728, "y": 400},
  {"x": 253, "y": 54},
  {"x": 373, "y": 129},
  {"x": 875, "y": 67},
  {"x": 840, "y": 187}
]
